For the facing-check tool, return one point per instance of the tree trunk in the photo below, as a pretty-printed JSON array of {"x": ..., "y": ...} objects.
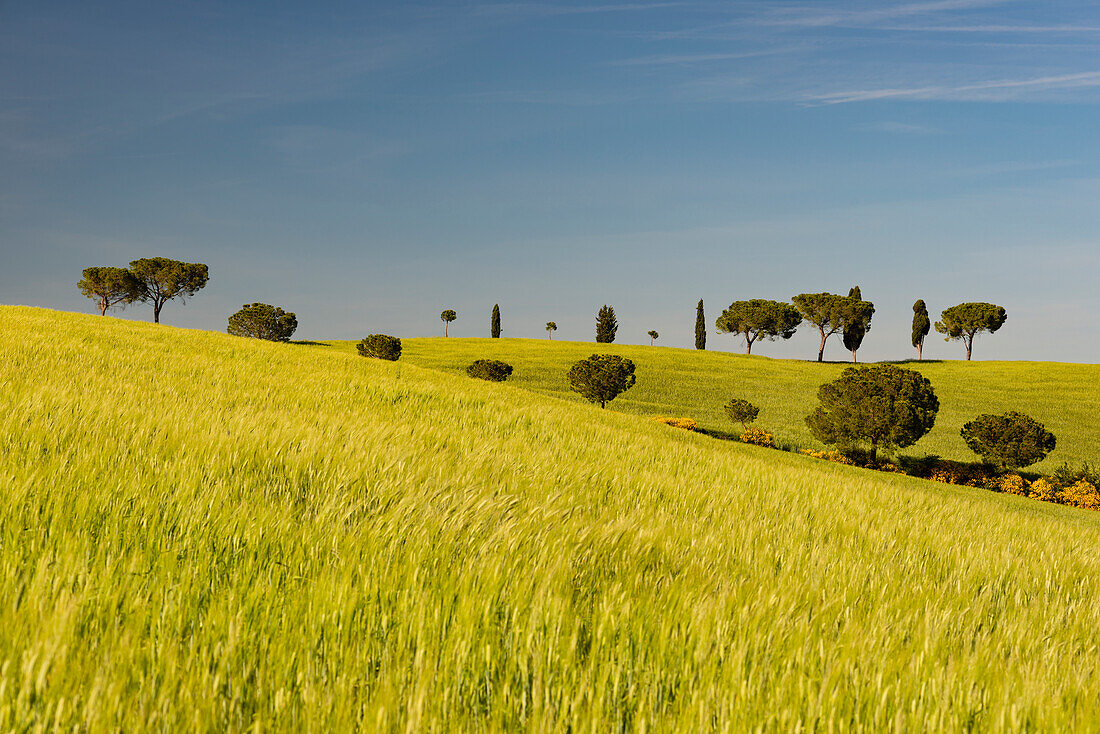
[
  {"x": 445, "y": 325},
  {"x": 748, "y": 345},
  {"x": 821, "y": 349},
  {"x": 853, "y": 356},
  {"x": 103, "y": 307},
  {"x": 156, "y": 311},
  {"x": 969, "y": 347},
  {"x": 920, "y": 348},
  {"x": 874, "y": 454}
]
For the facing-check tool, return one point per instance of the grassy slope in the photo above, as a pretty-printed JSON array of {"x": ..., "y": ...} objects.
[
  {"x": 687, "y": 382},
  {"x": 201, "y": 532}
]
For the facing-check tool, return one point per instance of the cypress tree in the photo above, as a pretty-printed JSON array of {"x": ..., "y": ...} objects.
[
  {"x": 921, "y": 326},
  {"x": 700, "y": 327},
  {"x": 494, "y": 324},
  {"x": 606, "y": 325},
  {"x": 857, "y": 321}
]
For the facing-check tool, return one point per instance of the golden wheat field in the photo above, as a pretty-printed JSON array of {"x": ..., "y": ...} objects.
[{"x": 201, "y": 532}]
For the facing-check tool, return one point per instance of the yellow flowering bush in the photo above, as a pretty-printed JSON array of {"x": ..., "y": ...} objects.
[
  {"x": 758, "y": 437},
  {"x": 687, "y": 424},
  {"x": 1046, "y": 491},
  {"x": 1010, "y": 484},
  {"x": 1082, "y": 494}
]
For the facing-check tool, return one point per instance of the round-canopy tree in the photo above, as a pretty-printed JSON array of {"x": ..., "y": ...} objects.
[
  {"x": 492, "y": 370},
  {"x": 606, "y": 325},
  {"x": 826, "y": 311},
  {"x": 652, "y": 336},
  {"x": 884, "y": 406},
  {"x": 1012, "y": 440},
  {"x": 921, "y": 327},
  {"x": 380, "y": 346},
  {"x": 447, "y": 317},
  {"x": 551, "y": 327},
  {"x": 109, "y": 287},
  {"x": 967, "y": 320},
  {"x": 742, "y": 411},
  {"x": 759, "y": 318},
  {"x": 601, "y": 377},
  {"x": 161, "y": 279},
  {"x": 261, "y": 321}
]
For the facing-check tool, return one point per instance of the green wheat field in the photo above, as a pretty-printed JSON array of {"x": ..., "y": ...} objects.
[{"x": 201, "y": 532}]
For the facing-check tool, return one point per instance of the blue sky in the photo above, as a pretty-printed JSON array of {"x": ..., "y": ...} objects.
[{"x": 367, "y": 165}]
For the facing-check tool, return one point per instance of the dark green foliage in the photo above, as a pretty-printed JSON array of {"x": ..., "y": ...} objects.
[
  {"x": 160, "y": 279},
  {"x": 109, "y": 287},
  {"x": 967, "y": 320},
  {"x": 380, "y": 346},
  {"x": 1067, "y": 476},
  {"x": 884, "y": 406},
  {"x": 494, "y": 322},
  {"x": 653, "y": 335},
  {"x": 551, "y": 327},
  {"x": 759, "y": 319},
  {"x": 261, "y": 321},
  {"x": 1011, "y": 440},
  {"x": 742, "y": 411},
  {"x": 601, "y": 377},
  {"x": 700, "y": 327},
  {"x": 606, "y": 325},
  {"x": 492, "y": 370},
  {"x": 921, "y": 326},
  {"x": 447, "y": 317},
  {"x": 826, "y": 311},
  {"x": 857, "y": 321}
]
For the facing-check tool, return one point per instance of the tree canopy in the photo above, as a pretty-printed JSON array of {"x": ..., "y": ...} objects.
[
  {"x": 921, "y": 326},
  {"x": 884, "y": 406},
  {"x": 161, "y": 279},
  {"x": 700, "y": 327},
  {"x": 261, "y": 321},
  {"x": 653, "y": 335},
  {"x": 857, "y": 321},
  {"x": 109, "y": 287},
  {"x": 492, "y": 370},
  {"x": 606, "y": 325},
  {"x": 759, "y": 319},
  {"x": 551, "y": 327},
  {"x": 447, "y": 317},
  {"x": 601, "y": 377},
  {"x": 967, "y": 320},
  {"x": 826, "y": 311},
  {"x": 380, "y": 346},
  {"x": 741, "y": 411},
  {"x": 494, "y": 322},
  {"x": 1012, "y": 440}
]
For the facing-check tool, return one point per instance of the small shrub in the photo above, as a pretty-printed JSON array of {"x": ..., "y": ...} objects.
[
  {"x": 1044, "y": 490},
  {"x": 380, "y": 346},
  {"x": 492, "y": 370},
  {"x": 758, "y": 437},
  {"x": 1067, "y": 476},
  {"x": 963, "y": 474},
  {"x": 601, "y": 377},
  {"x": 688, "y": 424},
  {"x": 1082, "y": 494},
  {"x": 741, "y": 411},
  {"x": 1012, "y": 440},
  {"x": 261, "y": 321},
  {"x": 1010, "y": 484}
]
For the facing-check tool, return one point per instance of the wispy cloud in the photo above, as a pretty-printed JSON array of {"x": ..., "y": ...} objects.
[
  {"x": 1001, "y": 89},
  {"x": 812, "y": 16},
  {"x": 893, "y": 127},
  {"x": 687, "y": 59}
]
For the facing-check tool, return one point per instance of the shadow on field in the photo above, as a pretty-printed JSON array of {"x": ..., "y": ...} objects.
[{"x": 310, "y": 344}]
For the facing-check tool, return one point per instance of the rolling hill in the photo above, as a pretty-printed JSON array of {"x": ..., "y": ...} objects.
[{"x": 204, "y": 532}]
